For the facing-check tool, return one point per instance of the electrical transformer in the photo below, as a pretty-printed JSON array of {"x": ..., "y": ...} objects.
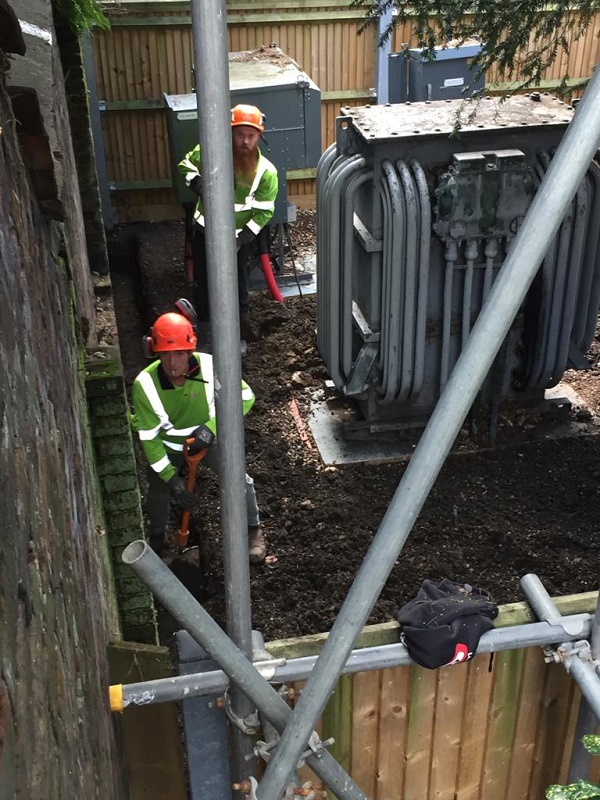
[
  {"x": 418, "y": 206},
  {"x": 290, "y": 101}
]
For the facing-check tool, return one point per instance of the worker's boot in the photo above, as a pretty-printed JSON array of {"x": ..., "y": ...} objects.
[{"x": 256, "y": 544}]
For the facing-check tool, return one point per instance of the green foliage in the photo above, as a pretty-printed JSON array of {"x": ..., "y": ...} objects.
[
  {"x": 521, "y": 37},
  {"x": 81, "y": 15},
  {"x": 581, "y": 790},
  {"x": 591, "y": 742}
]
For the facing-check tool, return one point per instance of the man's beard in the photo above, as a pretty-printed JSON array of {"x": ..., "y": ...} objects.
[{"x": 244, "y": 162}]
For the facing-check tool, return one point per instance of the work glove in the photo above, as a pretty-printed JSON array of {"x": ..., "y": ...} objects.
[
  {"x": 244, "y": 237},
  {"x": 196, "y": 185},
  {"x": 181, "y": 493},
  {"x": 203, "y": 438}
]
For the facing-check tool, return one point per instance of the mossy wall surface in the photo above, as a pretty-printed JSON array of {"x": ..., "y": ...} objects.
[{"x": 57, "y": 736}]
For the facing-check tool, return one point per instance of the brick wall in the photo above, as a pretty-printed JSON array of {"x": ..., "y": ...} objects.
[{"x": 57, "y": 609}]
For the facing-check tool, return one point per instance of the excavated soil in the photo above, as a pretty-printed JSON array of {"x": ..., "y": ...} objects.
[{"x": 529, "y": 504}]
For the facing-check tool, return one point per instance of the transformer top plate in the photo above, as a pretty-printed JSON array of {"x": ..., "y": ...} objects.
[{"x": 439, "y": 117}]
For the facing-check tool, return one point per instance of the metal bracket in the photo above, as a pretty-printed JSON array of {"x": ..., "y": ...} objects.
[
  {"x": 267, "y": 668},
  {"x": 565, "y": 653},
  {"x": 249, "y": 725},
  {"x": 315, "y": 748}
]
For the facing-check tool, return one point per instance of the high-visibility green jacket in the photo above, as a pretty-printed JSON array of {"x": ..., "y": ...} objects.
[
  {"x": 164, "y": 416},
  {"x": 254, "y": 205}
]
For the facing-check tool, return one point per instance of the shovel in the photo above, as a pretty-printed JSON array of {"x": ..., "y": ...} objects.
[{"x": 192, "y": 463}]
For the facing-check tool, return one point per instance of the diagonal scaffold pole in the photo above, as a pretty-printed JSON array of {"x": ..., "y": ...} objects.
[
  {"x": 184, "y": 607},
  {"x": 545, "y": 215}
]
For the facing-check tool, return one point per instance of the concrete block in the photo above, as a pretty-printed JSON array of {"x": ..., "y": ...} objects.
[
  {"x": 129, "y": 520},
  {"x": 123, "y": 501},
  {"x": 111, "y": 426},
  {"x": 111, "y": 406},
  {"x": 116, "y": 465},
  {"x": 104, "y": 387},
  {"x": 119, "y": 483},
  {"x": 113, "y": 446}
]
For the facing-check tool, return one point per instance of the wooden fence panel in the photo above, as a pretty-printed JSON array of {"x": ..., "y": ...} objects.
[
  {"x": 148, "y": 52},
  {"x": 498, "y": 728}
]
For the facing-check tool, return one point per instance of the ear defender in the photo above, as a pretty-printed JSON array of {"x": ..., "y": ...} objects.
[{"x": 147, "y": 347}]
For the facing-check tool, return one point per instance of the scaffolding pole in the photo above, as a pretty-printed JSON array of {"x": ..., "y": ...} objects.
[
  {"x": 283, "y": 671},
  {"x": 577, "y": 659},
  {"x": 211, "y": 65},
  {"x": 581, "y": 759},
  {"x": 541, "y": 222},
  {"x": 200, "y": 625}
]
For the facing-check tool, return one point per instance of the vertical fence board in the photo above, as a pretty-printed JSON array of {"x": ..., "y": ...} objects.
[
  {"x": 448, "y": 730},
  {"x": 556, "y": 703},
  {"x": 527, "y": 725},
  {"x": 365, "y": 722},
  {"x": 502, "y": 722},
  {"x": 420, "y": 731},
  {"x": 478, "y": 694},
  {"x": 393, "y": 718},
  {"x": 337, "y": 721},
  {"x": 570, "y": 725}
]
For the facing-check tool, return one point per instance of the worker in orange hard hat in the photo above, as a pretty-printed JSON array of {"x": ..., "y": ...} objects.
[
  {"x": 255, "y": 190},
  {"x": 174, "y": 400}
]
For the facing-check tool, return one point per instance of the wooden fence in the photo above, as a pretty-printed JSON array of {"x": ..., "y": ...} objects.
[
  {"x": 148, "y": 52},
  {"x": 498, "y": 728}
]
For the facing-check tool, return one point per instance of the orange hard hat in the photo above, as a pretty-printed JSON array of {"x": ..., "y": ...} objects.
[
  {"x": 172, "y": 332},
  {"x": 247, "y": 115}
]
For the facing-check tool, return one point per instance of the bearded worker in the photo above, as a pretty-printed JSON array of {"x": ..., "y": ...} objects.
[{"x": 255, "y": 190}]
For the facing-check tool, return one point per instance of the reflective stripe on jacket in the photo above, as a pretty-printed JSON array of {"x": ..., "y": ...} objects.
[{"x": 164, "y": 416}]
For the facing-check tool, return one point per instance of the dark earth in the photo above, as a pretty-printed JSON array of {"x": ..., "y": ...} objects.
[{"x": 528, "y": 504}]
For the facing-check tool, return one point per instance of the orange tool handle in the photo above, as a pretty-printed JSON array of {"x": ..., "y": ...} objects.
[
  {"x": 265, "y": 265},
  {"x": 192, "y": 462}
]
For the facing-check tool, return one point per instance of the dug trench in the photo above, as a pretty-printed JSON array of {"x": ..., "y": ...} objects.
[{"x": 529, "y": 504}]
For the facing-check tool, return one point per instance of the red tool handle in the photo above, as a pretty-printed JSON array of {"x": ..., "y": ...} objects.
[
  {"x": 192, "y": 462},
  {"x": 265, "y": 265}
]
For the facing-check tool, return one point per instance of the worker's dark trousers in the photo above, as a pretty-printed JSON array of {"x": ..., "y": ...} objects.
[
  {"x": 201, "y": 276},
  {"x": 158, "y": 497}
]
